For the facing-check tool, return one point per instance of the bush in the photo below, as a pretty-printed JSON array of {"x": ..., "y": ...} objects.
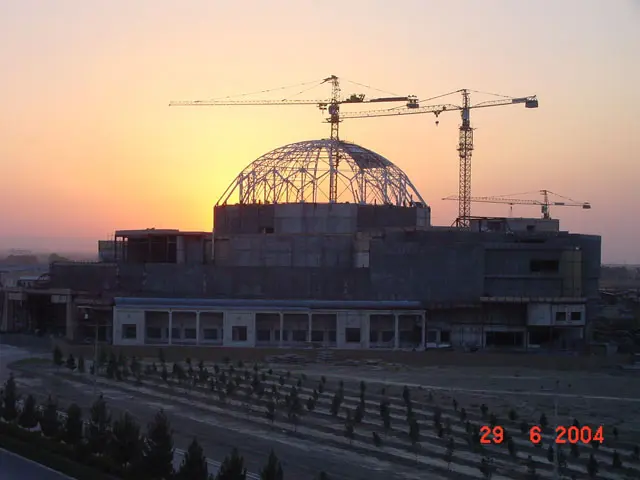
[{"x": 58, "y": 456}]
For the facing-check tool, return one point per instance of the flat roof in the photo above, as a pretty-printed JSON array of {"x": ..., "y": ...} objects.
[
  {"x": 253, "y": 304},
  {"x": 158, "y": 232}
]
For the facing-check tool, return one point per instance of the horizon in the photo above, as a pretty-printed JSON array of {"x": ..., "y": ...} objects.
[{"x": 92, "y": 145}]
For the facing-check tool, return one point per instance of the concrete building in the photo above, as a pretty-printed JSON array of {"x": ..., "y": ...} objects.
[{"x": 284, "y": 268}]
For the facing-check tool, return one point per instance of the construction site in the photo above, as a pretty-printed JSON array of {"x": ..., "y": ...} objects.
[
  {"x": 326, "y": 243},
  {"x": 324, "y": 279}
]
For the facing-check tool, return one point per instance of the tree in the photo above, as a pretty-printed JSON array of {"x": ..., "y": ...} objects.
[
  {"x": 524, "y": 427},
  {"x": 273, "y": 469},
  {"x": 359, "y": 413},
  {"x": 73, "y": 425},
  {"x": 592, "y": 466},
  {"x": 616, "y": 461},
  {"x": 414, "y": 434},
  {"x": 270, "y": 413},
  {"x": 71, "y": 362},
  {"x": 349, "y": 428},
  {"x": 486, "y": 468},
  {"x": 57, "y": 357},
  {"x": 448, "y": 454},
  {"x": 511, "y": 446},
  {"x": 232, "y": 468},
  {"x": 157, "y": 448},
  {"x": 544, "y": 423},
  {"x": 406, "y": 395},
  {"x": 9, "y": 399},
  {"x": 551, "y": 454},
  {"x": 311, "y": 403},
  {"x": 493, "y": 420},
  {"x": 532, "y": 473},
  {"x": 49, "y": 421},
  {"x": 161, "y": 358},
  {"x": 335, "y": 404},
  {"x": 29, "y": 415},
  {"x": 99, "y": 426},
  {"x": 386, "y": 421},
  {"x": 194, "y": 464},
  {"x": 81, "y": 367},
  {"x": 295, "y": 408},
  {"x": 125, "y": 445},
  {"x": 574, "y": 450},
  {"x": 463, "y": 414}
]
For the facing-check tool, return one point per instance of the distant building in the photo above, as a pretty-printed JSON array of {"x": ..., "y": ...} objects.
[{"x": 107, "y": 250}]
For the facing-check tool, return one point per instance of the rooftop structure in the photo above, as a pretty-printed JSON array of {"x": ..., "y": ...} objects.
[{"x": 303, "y": 172}]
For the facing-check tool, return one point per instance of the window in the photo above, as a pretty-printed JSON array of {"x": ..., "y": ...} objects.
[
  {"x": 352, "y": 335},
  {"x": 432, "y": 336},
  {"x": 332, "y": 336},
  {"x": 373, "y": 336},
  {"x": 263, "y": 335},
  {"x": 299, "y": 335},
  {"x": 154, "y": 332},
  {"x": 388, "y": 336},
  {"x": 277, "y": 335},
  {"x": 561, "y": 316},
  {"x": 190, "y": 333},
  {"x": 129, "y": 331},
  {"x": 175, "y": 333},
  {"x": 239, "y": 334},
  {"x": 317, "y": 336},
  {"x": 576, "y": 316},
  {"x": 210, "y": 333},
  {"x": 544, "y": 266},
  {"x": 445, "y": 336}
]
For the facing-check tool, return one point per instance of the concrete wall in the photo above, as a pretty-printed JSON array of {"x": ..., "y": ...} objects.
[
  {"x": 433, "y": 266},
  {"x": 315, "y": 218},
  {"x": 283, "y": 251}
]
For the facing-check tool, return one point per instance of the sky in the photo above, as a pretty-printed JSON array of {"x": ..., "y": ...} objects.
[{"x": 89, "y": 145}]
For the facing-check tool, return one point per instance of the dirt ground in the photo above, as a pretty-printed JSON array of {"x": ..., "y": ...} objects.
[{"x": 607, "y": 398}]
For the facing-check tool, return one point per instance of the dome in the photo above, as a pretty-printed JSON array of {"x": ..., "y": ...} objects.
[{"x": 302, "y": 172}]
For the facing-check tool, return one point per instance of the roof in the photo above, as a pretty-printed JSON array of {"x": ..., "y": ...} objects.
[
  {"x": 253, "y": 304},
  {"x": 161, "y": 232}
]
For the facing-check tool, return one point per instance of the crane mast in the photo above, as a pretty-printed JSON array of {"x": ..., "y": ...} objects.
[{"x": 465, "y": 148}]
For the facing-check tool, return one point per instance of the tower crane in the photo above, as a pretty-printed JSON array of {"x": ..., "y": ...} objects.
[
  {"x": 331, "y": 105},
  {"x": 411, "y": 107},
  {"x": 545, "y": 203},
  {"x": 465, "y": 136}
]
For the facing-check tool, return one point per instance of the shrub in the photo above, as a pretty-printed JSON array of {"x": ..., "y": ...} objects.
[{"x": 29, "y": 415}]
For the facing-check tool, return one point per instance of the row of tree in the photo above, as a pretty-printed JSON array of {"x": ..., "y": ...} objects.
[{"x": 121, "y": 442}]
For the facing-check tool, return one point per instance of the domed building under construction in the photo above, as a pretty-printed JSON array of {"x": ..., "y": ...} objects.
[{"x": 325, "y": 243}]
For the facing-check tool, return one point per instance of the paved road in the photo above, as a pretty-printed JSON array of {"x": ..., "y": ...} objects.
[{"x": 14, "y": 467}]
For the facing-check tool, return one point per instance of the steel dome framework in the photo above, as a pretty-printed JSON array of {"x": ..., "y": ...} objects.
[{"x": 305, "y": 172}]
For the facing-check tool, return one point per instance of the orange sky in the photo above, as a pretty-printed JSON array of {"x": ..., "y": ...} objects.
[{"x": 88, "y": 144}]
